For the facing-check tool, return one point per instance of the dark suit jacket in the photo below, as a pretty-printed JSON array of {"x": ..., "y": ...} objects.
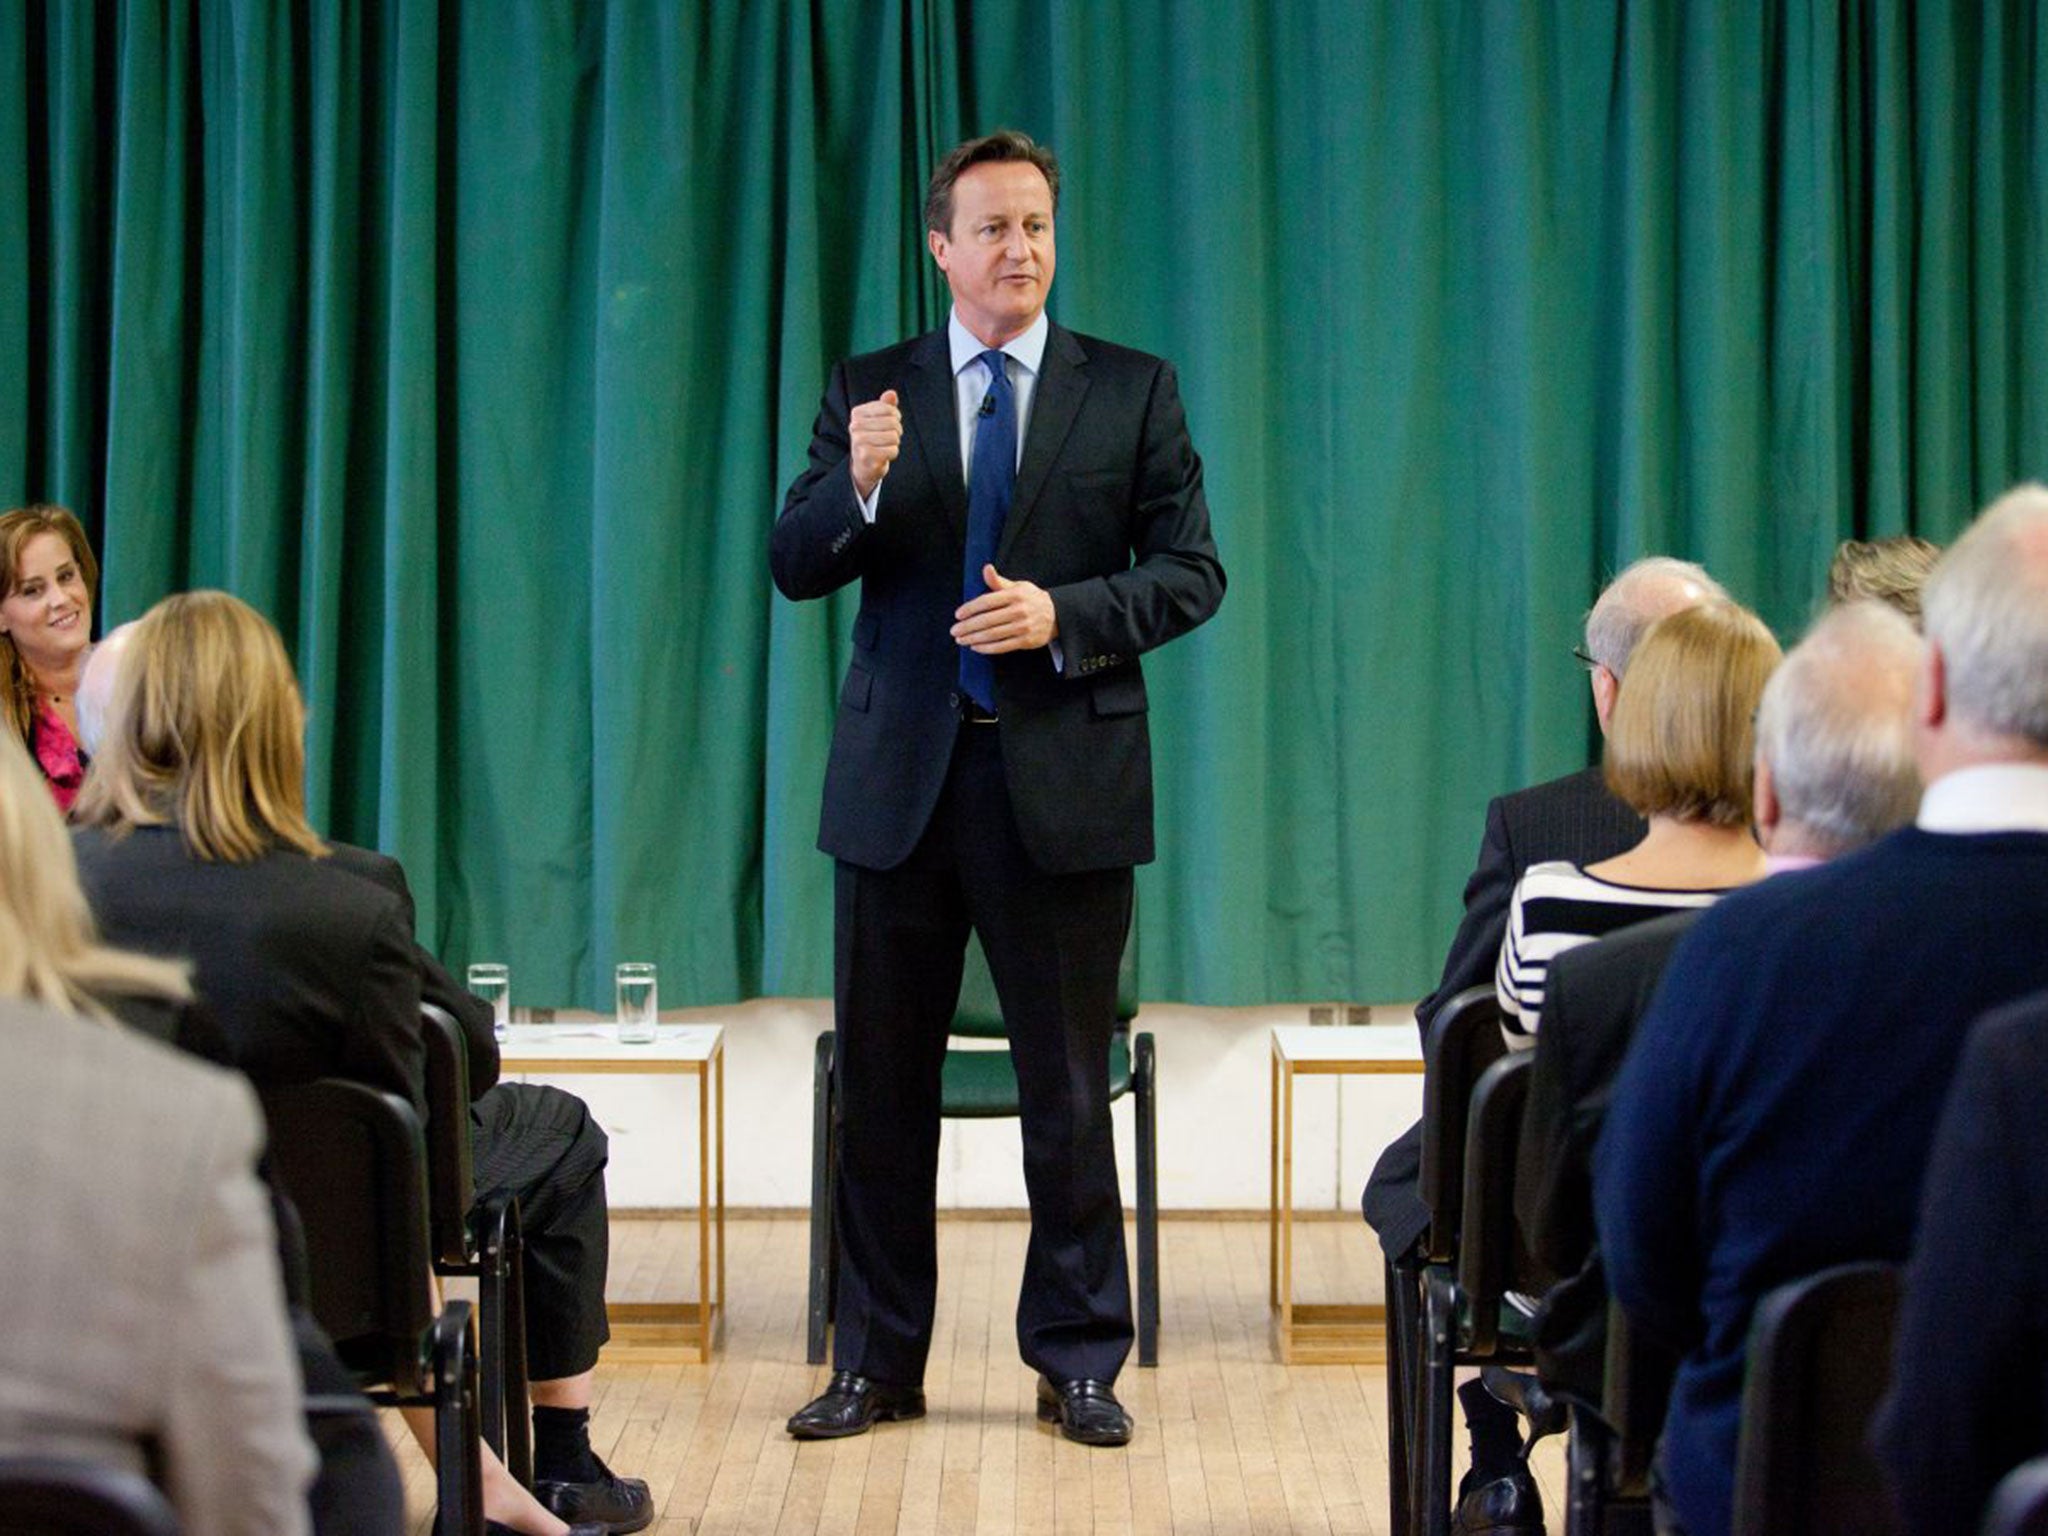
[
  {"x": 1108, "y": 516},
  {"x": 1573, "y": 818},
  {"x": 308, "y": 969},
  {"x": 1969, "y": 1397},
  {"x": 436, "y": 985}
]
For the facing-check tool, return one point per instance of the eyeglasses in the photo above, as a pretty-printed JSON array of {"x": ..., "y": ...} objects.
[{"x": 1579, "y": 655}]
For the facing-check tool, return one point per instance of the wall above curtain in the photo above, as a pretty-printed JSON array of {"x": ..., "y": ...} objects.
[{"x": 476, "y": 342}]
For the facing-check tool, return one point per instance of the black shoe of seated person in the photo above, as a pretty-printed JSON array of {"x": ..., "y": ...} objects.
[
  {"x": 1499, "y": 1506},
  {"x": 492, "y": 1528},
  {"x": 608, "y": 1503}
]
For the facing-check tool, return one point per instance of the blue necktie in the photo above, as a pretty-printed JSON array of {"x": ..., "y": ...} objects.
[{"x": 991, "y": 476}]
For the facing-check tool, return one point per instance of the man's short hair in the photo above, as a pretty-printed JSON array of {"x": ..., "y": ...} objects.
[
  {"x": 1986, "y": 607},
  {"x": 1890, "y": 571},
  {"x": 1836, "y": 726},
  {"x": 1679, "y": 744},
  {"x": 1003, "y": 144},
  {"x": 1643, "y": 593}
]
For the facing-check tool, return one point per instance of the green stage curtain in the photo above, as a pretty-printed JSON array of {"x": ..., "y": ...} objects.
[{"x": 475, "y": 343}]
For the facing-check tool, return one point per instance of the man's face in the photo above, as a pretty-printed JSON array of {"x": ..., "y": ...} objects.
[{"x": 998, "y": 256}]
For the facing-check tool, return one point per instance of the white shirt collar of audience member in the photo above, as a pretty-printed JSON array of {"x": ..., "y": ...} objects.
[{"x": 1990, "y": 797}]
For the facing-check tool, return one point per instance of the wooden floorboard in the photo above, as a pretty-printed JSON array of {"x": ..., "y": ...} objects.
[{"x": 1229, "y": 1441}]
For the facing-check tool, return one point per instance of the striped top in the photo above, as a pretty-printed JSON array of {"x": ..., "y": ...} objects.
[{"x": 1556, "y": 907}]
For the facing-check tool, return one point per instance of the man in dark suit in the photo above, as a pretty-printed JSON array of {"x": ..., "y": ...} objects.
[
  {"x": 1024, "y": 512},
  {"x": 1834, "y": 772},
  {"x": 1774, "y": 1115},
  {"x": 1572, "y": 818},
  {"x": 1969, "y": 1395}
]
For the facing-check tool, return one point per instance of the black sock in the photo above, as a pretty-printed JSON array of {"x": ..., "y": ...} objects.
[
  {"x": 1496, "y": 1432},
  {"x": 561, "y": 1446}
]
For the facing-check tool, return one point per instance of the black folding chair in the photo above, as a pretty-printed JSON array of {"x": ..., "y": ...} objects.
[
  {"x": 2019, "y": 1504},
  {"x": 982, "y": 1084},
  {"x": 353, "y": 1161},
  {"x": 480, "y": 1240},
  {"x": 1466, "y": 1317},
  {"x": 1463, "y": 1040},
  {"x": 1819, "y": 1360},
  {"x": 61, "y": 1496}
]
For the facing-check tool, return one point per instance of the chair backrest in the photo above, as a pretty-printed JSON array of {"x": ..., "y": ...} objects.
[
  {"x": 1487, "y": 1234},
  {"x": 353, "y": 1162},
  {"x": 1464, "y": 1040},
  {"x": 2019, "y": 1505},
  {"x": 451, "y": 1184},
  {"x": 1819, "y": 1360},
  {"x": 978, "y": 1015},
  {"x": 60, "y": 1496}
]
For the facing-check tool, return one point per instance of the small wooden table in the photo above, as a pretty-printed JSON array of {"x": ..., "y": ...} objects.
[
  {"x": 654, "y": 1332},
  {"x": 1330, "y": 1333}
]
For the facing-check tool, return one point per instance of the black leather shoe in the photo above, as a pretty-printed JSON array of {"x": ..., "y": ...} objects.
[
  {"x": 612, "y": 1504},
  {"x": 492, "y": 1528},
  {"x": 1086, "y": 1411},
  {"x": 852, "y": 1405},
  {"x": 1503, "y": 1506}
]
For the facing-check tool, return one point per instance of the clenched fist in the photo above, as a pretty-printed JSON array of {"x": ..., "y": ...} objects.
[{"x": 876, "y": 431}]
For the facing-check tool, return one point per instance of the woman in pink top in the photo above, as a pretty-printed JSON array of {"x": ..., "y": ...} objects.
[{"x": 48, "y": 579}]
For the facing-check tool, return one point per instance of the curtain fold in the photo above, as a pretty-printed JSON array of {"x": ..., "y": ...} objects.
[{"x": 475, "y": 343}]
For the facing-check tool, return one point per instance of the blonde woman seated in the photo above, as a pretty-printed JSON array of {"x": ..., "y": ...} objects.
[
  {"x": 142, "y": 1315},
  {"x": 48, "y": 579},
  {"x": 1679, "y": 750}
]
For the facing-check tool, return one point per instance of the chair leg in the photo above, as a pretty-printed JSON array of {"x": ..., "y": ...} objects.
[
  {"x": 517, "y": 1397},
  {"x": 458, "y": 1436},
  {"x": 1144, "y": 1092},
  {"x": 823, "y": 1238},
  {"x": 1440, "y": 1327},
  {"x": 1401, "y": 1313},
  {"x": 1586, "y": 1476},
  {"x": 488, "y": 1236}
]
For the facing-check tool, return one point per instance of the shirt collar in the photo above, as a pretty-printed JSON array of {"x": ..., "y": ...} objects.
[
  {"x": 1027, "y": 350},
  {"x": 1990, "y": 797}
]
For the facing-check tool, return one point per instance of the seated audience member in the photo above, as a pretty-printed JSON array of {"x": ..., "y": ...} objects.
[
  {"x": 48, "y": 579},
  {"x": 1834, "y": 772},
  {"x": 142, "y": 1319},
  {"x": 1679, "y": 754},
  {"x": 1575, "y": 818},
  {"x": 1774, "y": 1114},
  {"x": 193, "y": 842},
  {"x": 1890, "y": 571},
  {"x": 1969, "y": 1395}
]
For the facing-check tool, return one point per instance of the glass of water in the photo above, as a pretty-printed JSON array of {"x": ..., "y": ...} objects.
[
  {"x": 492, "y": 982},
  {"x": 639, "y": 1002}
]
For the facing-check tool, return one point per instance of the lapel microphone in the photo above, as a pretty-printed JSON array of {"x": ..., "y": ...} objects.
[{"x": 988, "y": 404}]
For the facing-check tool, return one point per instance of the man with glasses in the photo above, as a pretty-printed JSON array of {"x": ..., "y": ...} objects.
[{"x": 1573, "y": 818}]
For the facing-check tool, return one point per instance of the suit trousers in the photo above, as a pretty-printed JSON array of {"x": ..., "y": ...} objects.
[
  {"x": 1054, "y": 945},
  {"x": 540, "y": 1145}
]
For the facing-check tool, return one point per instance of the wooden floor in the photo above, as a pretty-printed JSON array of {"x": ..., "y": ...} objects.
[{"x": 1228, "y": 1440}]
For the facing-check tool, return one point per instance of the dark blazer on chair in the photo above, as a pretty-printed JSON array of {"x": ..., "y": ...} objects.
[
  {"x": 1108, "y": 516},
  {"x": 308, "y": 969}
]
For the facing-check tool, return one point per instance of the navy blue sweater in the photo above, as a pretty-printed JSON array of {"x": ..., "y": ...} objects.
[{"x": 1774, "y": 1114}]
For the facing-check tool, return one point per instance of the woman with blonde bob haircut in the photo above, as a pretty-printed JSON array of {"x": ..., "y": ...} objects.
[
  {"x": 206, "y": 733},
  {"x": 1680, "y": 747}
]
